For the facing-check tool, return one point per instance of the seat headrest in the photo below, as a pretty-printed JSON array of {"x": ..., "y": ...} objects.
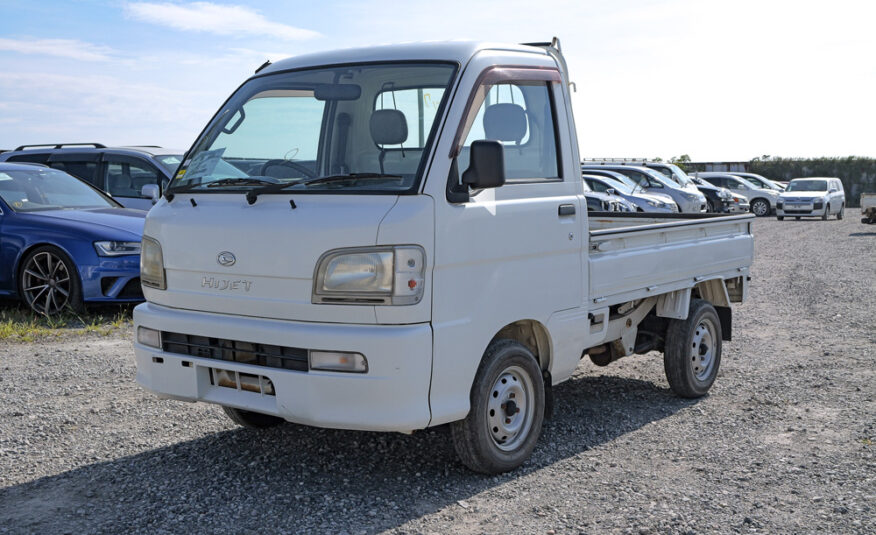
[
  {"x": 505, "y": 122},
  {"x": 389, "y": 127}
]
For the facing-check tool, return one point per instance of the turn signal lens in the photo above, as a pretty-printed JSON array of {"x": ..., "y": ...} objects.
[
  {"x": 338, "y": 361},
  {"x": 149, "y": 337}
]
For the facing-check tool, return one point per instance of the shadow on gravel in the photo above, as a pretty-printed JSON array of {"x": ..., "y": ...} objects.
[
  {"x": 863, "y": 234},
  {"x": 296, "y": 479}
]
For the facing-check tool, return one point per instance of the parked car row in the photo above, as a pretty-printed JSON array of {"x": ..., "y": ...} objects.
[{"x": 133, "y": 176}]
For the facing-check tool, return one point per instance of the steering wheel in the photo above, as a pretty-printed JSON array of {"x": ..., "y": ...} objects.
[{"x": 287, "y": 163}]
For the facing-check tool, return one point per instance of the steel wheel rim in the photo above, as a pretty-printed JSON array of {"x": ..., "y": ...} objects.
[
  {"x": 46, "y": 283},
  {"x": 760, "y": 208},
  {"x": 510, "y": 410},
  {"x": 702, "y": 353}
]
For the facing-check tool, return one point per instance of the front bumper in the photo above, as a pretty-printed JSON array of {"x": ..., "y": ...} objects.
[
  {"x": 693, "y": 205},
  {"x": 392, "y": 396},
  {"x": 812, "y": 209},
  {"x": 112, "y": 280}
]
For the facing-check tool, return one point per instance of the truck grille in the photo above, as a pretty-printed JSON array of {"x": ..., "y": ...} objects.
[{"x": 286, "y": 358}]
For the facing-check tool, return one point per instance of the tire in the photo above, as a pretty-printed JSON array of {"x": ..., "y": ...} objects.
[
  {"x": 253, "y": 420},
  {"x": 49, "y": 283},
  {"x": 760, "y": 207},
  {"x": 710, "y": 206},
  {"x": 780, "y": 217},
  {"x": 693, "y": 350},
  {"x": 490, "y": 440},
  {"x": 826, "y": 212},
  {"x": 840, "y": 214}
]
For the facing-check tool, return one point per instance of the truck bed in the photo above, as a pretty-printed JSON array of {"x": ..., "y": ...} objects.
[{"x": 634, "y": 256}]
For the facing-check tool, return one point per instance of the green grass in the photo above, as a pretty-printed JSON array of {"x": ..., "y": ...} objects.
[{"x": 18, "y": 324}]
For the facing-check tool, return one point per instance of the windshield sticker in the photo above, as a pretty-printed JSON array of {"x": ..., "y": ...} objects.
[{"x": 204, "y": 163}]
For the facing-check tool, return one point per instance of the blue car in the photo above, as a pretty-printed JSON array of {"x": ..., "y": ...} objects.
[{"x": 63, "y": 243}]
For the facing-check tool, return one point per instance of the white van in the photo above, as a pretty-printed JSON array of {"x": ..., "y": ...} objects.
[{"x": 812, "y": 197}]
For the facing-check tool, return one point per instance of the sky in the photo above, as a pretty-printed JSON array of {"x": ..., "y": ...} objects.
[{"x": 717, "y": 80}]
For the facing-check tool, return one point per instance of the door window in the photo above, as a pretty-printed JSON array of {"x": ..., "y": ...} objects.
[
  {"x": 521, "y": 116},
  {"x": 597, "y": 185},
  {"x": 124, "y": 179},
  {"x": 86, "y": 171}
]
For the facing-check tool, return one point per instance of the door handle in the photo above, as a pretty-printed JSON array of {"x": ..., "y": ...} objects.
[{"x": 566, "y": 209}]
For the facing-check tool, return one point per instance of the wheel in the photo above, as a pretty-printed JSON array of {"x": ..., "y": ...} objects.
[
  {"x": 48, "y": 281},
  {"x": 693, "y": 350},
  {"x": 254, "y": 420},
  {"x": 839, "y": 214},
  {"x": 507, "y": 410},
  {"x": 826, "y": 212},
  {"x": 780, "y": 217},
  {"x": 760, "y": 207},
  {"x": 710, "y": 206}
]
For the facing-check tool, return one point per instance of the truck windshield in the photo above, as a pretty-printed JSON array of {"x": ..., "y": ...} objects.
[{"x": 362, "y": 127}]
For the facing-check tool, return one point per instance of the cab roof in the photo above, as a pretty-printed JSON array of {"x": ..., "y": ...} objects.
[{"x": 456, "y": 51}]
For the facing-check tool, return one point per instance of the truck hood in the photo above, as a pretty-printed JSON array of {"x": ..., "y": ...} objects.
[{"x": 274, "y": 247}]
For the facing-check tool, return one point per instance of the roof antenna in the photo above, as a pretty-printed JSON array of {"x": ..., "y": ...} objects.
[{"x": 263, "y": 65}]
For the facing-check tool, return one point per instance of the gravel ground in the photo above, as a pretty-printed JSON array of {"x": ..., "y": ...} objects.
[{"x": 784, "y": 443}]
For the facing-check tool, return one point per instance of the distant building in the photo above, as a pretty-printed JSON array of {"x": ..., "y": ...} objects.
[{"x": 718, "y": 166}]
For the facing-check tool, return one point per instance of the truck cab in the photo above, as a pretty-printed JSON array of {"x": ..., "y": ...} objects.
[{"x": 395, "y": 238}]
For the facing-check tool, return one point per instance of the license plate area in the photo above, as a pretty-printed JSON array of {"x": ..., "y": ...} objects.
[{"x": 245, "y": 382}]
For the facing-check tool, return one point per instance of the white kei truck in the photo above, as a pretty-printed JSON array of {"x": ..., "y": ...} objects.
[{"x": 396, "y": 238}]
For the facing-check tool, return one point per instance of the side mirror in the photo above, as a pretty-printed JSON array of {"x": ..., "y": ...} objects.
[
  {"x": 151, "y": 191},
  {"x": 833, "y": 190},
  {"x": 611, "y": 191},
  {"x": 486, "y": 168}
]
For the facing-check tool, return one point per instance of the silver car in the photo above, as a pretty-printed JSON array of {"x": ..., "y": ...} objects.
[
  {"x": 762, "y": 201},
  {"x": 689, "y": 200},
  {"x": 761, "y": 181},
  {"x": 642, "y": 201},
  {"x": 812, "y": 197}
]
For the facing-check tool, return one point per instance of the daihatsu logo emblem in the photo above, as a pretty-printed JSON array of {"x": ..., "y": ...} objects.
[{"x": 226, "y": 258}]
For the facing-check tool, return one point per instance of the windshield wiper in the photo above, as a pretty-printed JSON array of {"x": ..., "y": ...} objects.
[
  {"x": 348, "y": 176},
  {"x": 253, "y": 195},
  {"x": 234, "y": 181},
  {"x": 240, "y": 181}
]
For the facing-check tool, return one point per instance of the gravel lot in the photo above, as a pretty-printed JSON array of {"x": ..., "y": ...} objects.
[{"x": 783, "y": 444}]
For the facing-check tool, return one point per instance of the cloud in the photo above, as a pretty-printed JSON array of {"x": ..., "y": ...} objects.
[
  {"x": 214, "y": 18},
  {"x": 62, "y": 48}
]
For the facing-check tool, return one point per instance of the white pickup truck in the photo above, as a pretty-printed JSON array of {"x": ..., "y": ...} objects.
[{"x": 396, "y": 238}]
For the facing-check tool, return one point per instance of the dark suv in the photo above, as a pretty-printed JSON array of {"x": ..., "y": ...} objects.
[{"x": 119, "y": 171}]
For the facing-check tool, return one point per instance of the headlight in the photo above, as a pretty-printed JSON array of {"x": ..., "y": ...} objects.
[
  {"x": 152, "y": 264},
  {"x": 724, "y": 194},
  {"x": 655, "y": 204},
  {"x": 116, "y": 248},
  {"x": 690, "y": 196},
  {"x": 371, "y": 276}
]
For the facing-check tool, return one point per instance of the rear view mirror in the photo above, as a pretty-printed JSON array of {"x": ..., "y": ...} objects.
[
  {"x": 150, "y": 191},
  {"x": 337, "y": 92},
  {"x": 486, "y": 167}
]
